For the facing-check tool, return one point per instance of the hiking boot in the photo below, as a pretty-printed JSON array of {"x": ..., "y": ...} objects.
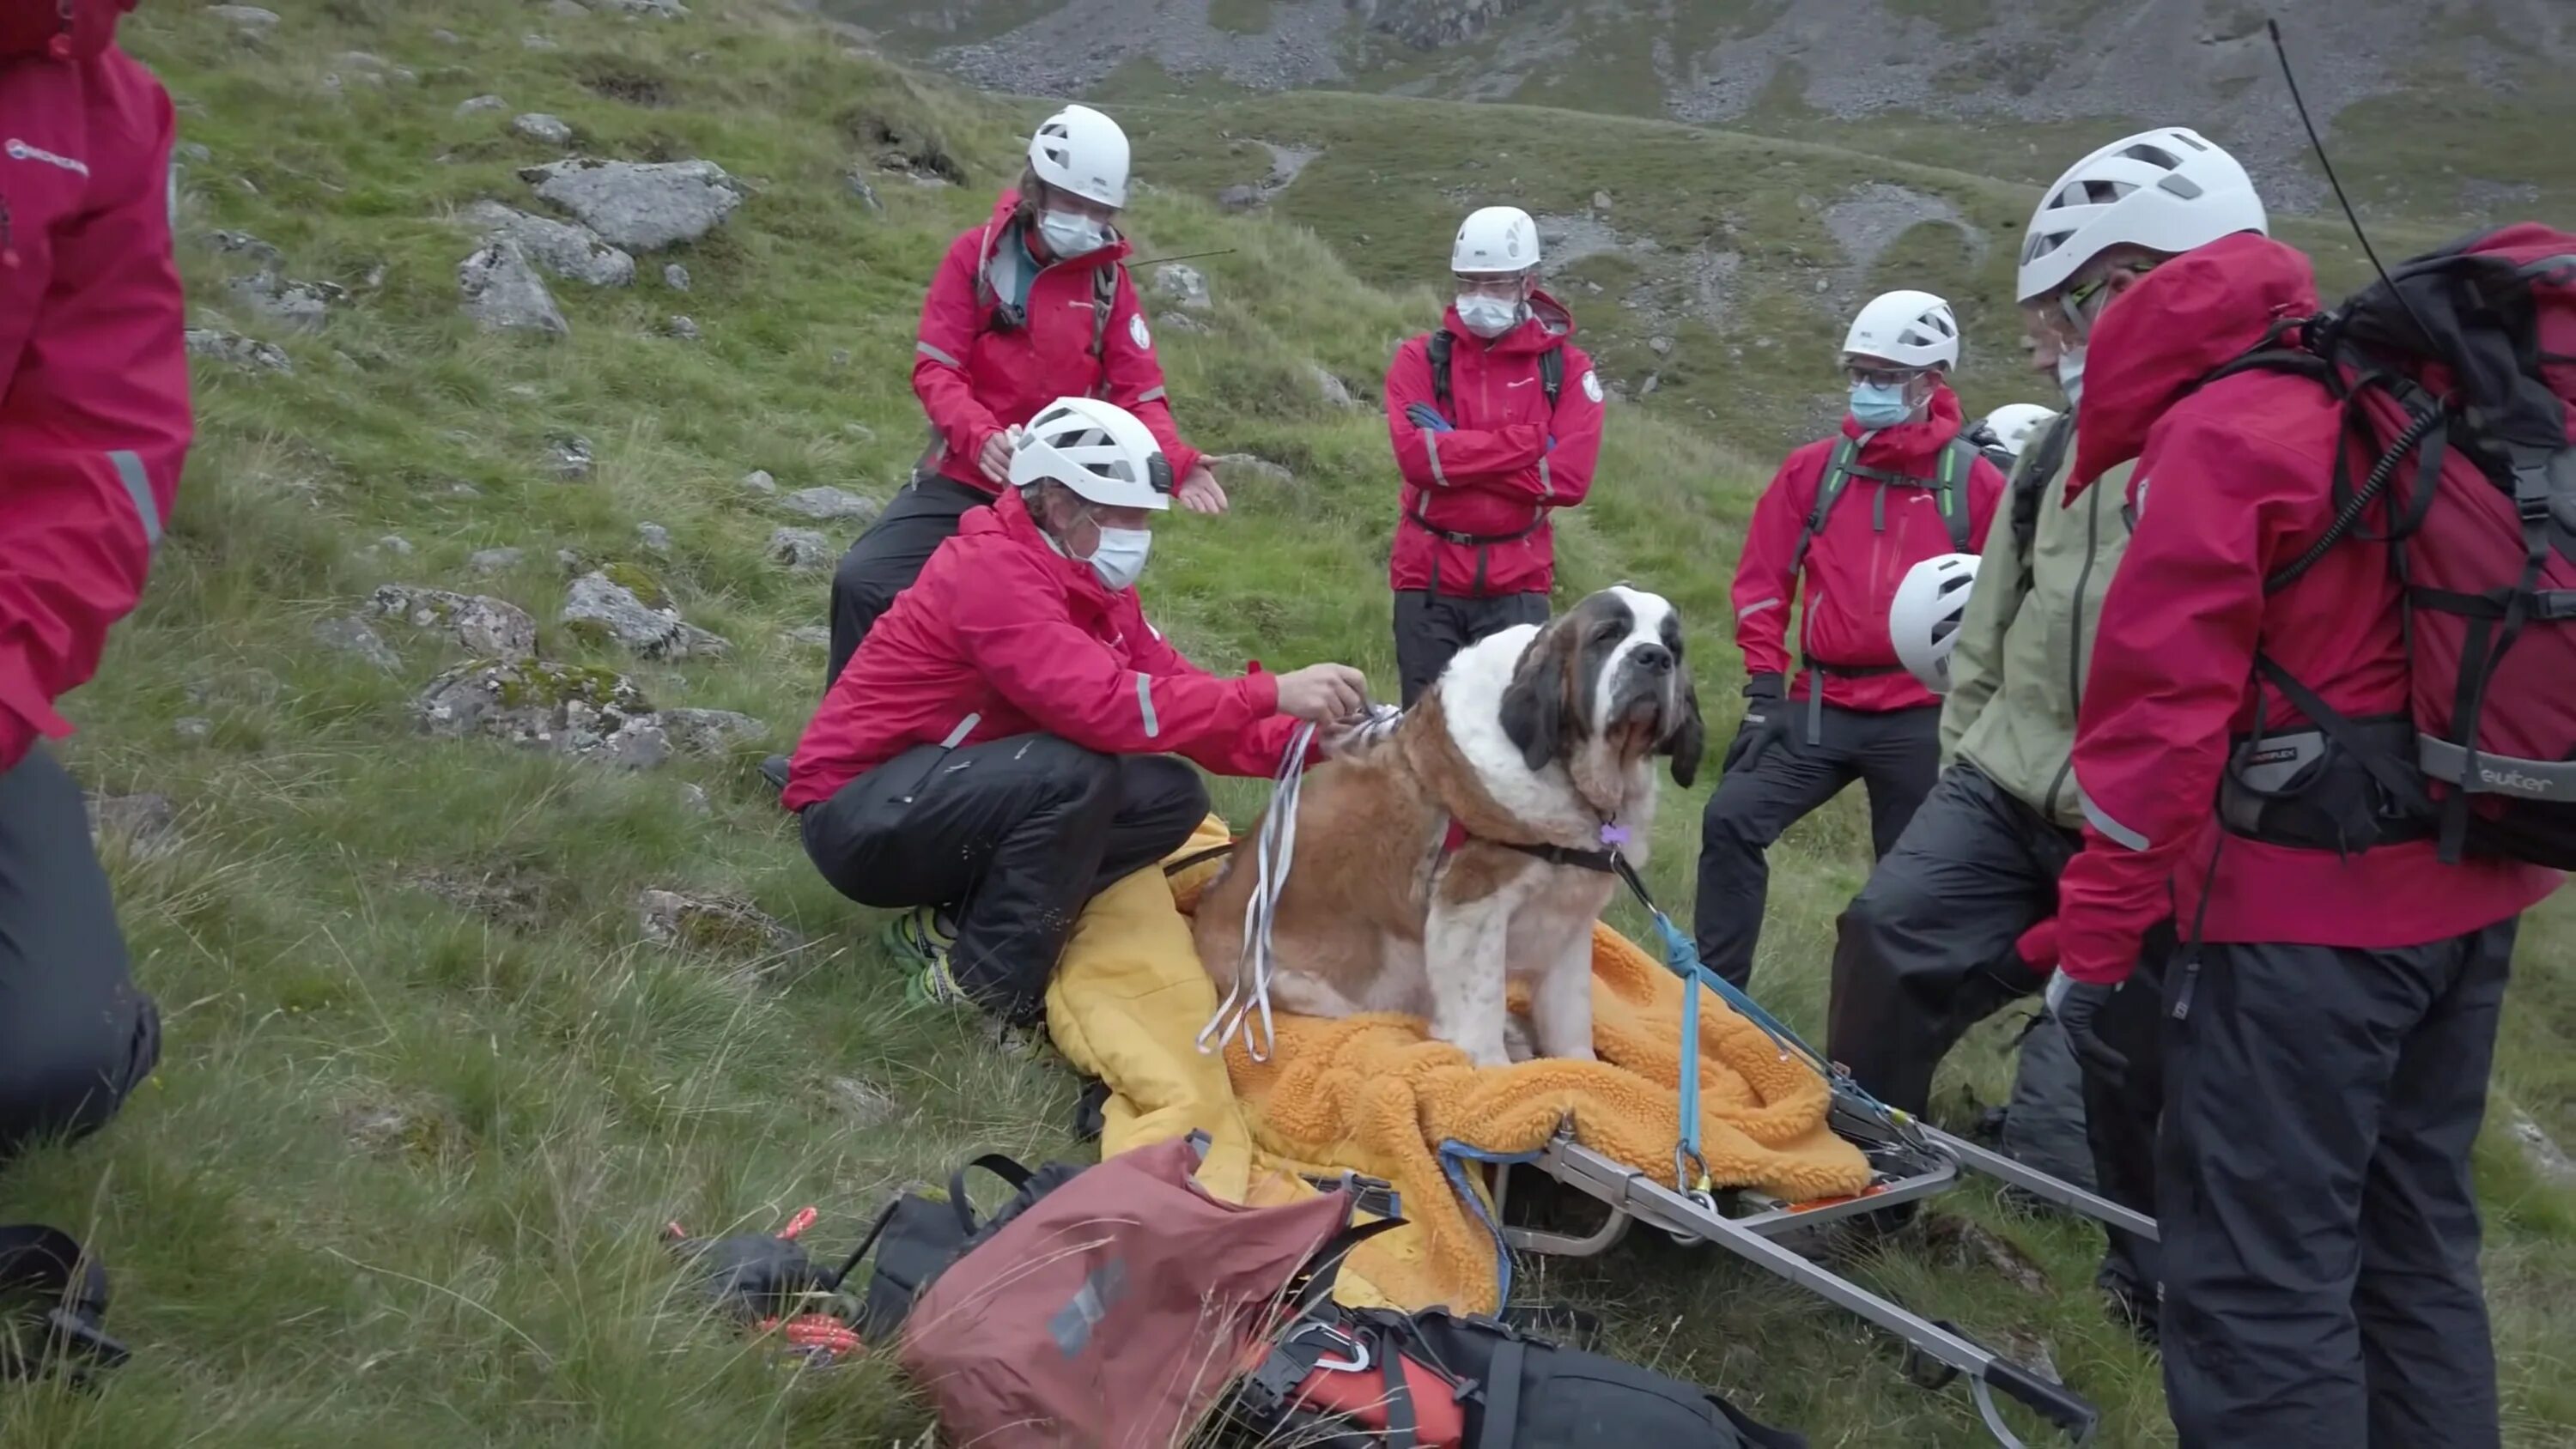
[
  {"x": 920, "y": 938},
  {"x": 774, "y": 770}
]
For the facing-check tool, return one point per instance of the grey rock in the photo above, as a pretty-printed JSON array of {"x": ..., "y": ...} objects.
[
  {"x": 492, "y": 628},
  {"x": 1601, "y": 201},
  {"x": 675, "y": 277},
  {"x": 693, "y": 799},
  {"x": 1180, "y": 322},
  {"x": 1335, "y": 391},
  {"x": 447, "y": 37},
  {"x": 2548, "y": 1160},
  {"x": 242, "y": 243},
  {"x": 567, "y": 9},
  {"x": 830, "y": 505},
  {"x": 801, "y": 549},
  {"x": 148, "y": 824},
  {"x": 503, "y": 292},
  {"x": 710, "y": 732},
  {"x": 683, "y": 328},
  {"x": 658, "y": 9},
  {"x": 249, "y": 19},
  {"x": 195, "y": 153},
  {"x": 1653, "y": 381},
  {"x": 718, "y": 925},
  {"x": 246, "y": 685},
  {"x": 296, "y": 306},
  {"x": 859, "y": 432},
  {"x": 1239, "y": 198},
  {"x": 627, "y": 621},
  {"x": 653, "y": 536},
  {"x": 865, "y": 1104},
  {"x": 539, "y": 127},
  {"x": 1241, "y": 465},
  {"x": 572, "y": 252},
  {"x": 537, "y": 42},
  {"x": 569, "y": 457},
  {"x": 586, "y": 713},
  {"x": 840, "y": 357},
  {"x": 1183, "y": 284},
  {"x": 1661, "y": 346},
  {"x": 459, "y": 488},
  {"x": 243, "y": 352},
  {"x": 810, "y": 636},
  {"x": 570, "y": 562},
  {"x": 193, "y": 730},
  {"x": 352, "y": 636},
  {"x": 640, "y": 206},
  {"x": 479, "y": 104},
  {"x": 364, "y": 61},
  {"x": 490, "y": 561},
  {"x": 759, "y": 481},
  {"x": 395, "y": 544},
  {"x": 859, "y": 187}
]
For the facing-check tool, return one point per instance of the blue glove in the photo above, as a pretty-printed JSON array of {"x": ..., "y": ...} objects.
[
  {"x": 1423, "y": 415},
  {"x": 1551, "y": 442}
]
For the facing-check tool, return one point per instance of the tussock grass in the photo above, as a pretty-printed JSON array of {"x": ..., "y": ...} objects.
[{"x": 428, "y": 1098}]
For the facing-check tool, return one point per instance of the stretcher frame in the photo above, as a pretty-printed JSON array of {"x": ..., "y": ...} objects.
[{"x": 1910, "y": 1161}]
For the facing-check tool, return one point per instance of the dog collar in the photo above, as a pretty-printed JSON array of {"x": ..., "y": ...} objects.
[{"x": 1604, "y": 860}]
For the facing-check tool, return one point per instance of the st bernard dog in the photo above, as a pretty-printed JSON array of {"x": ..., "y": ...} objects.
[{"x": 1469, "y": 846}]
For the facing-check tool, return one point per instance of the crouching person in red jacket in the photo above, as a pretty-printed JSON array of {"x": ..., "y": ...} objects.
[
  {"x": 1000, "y": 748},
  {"x": 1838, "y": 529},
  {"x": 94, "y": 423},
  {"x": 2326, "y": 1044}
]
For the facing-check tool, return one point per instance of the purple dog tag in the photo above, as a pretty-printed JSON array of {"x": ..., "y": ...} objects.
[{"x": 1613, "y": 833}]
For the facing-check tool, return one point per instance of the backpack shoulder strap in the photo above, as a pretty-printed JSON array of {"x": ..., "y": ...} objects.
[
  {"x": 2030, "y": 488},
  {"x": 1950, "y": 491},
  {"x": 1829, "y": 489},
  {"x": 1104, "y": 300},
  {"x": 1438, "y": 347},
  {"x": 1551, "y": 373}
]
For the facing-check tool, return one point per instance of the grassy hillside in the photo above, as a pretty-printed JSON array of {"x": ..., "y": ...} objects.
[{"x": 429, "y": 1092}]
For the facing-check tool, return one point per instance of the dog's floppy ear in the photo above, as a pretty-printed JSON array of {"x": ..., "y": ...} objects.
[
  {"x": 1533, "y": 710},
  {"x": 1688, "y": 740}
]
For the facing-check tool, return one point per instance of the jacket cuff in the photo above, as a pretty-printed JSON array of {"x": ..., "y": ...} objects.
[
  {"x": 1261, "y": 691},
  {"x": 1765, "y": 686}
]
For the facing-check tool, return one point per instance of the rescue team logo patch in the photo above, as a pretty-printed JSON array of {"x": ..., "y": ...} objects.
[
  {"x": 1136, "y": 329},
  {"x": 1591, "y": 385}
]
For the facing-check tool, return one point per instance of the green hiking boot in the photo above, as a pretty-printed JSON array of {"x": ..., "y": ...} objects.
[{"x": 920, "y": 939}]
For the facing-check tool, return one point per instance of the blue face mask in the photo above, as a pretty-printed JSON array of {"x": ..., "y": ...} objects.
[
  {"x": 1880, "y": 405},
  {"x": 1120, "y": 558}
]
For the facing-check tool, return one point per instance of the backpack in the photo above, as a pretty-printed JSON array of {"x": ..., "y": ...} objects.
[
  {"x": 2030, "y": 489},
  {"x": 2456, "y": 374},
  {"x": 917, "y": 1238},
  {"x": 1949, "y": 493},
  {"x": 53, "y": 1300},
  {"x": 1115, "y": 1309},
  {"x": 1439, "y": 1380},
  {"x": 1551, "y": 369}
]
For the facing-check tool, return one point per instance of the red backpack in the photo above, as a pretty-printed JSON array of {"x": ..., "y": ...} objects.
[{"x": 2457, "y": 374}]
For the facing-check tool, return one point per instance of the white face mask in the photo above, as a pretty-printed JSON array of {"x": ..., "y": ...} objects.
[
  {"x": 2070, "y": 375},
  {"x": 1488, "y": 316},
  {"x": 1071, "y": 234},
  {"x": 1120, "y": 557}
]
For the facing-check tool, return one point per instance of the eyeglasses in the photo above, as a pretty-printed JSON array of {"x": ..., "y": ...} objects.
[
  {"x": 1507, "y": 287},
  {"x": 1883, "y": 376}
]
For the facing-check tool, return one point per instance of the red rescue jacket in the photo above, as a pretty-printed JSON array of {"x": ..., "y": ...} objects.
[
  {"x": 2232, "y": 482},
  {"x": 1854, "y": 563},
  {"x": 1490, "y": 484},
  {"x": 94, "y": 420},
  {"x": 1004, "y": 636},
  {"x": 975, "y": 379}
]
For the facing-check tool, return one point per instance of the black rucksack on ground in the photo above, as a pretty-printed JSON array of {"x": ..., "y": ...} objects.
[
  {"x": 918, "y": 1236},
  {"x": 2457, "y": 377}
]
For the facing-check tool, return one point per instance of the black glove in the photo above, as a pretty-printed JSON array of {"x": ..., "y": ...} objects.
[
  {"x": 1766, "y": 722},
  {"x": 2079, "y": 1012}
]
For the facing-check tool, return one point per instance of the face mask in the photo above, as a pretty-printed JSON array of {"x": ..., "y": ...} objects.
[
  {"x": 1120, "y": 558},
  {"x": 1071, "y": 234},
  {"x": 1488, "y": 316},
  {"x": 2070, "y": 375},
  {"x": 1879, "y": 405}
]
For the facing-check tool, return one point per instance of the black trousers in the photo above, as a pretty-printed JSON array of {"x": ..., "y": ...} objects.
[
  {"x": 2120, "y": 1120},
  {"x": 1014, "y": 835},
  {"x": 888, "y": 555},
  {"x": 1898, "y": 754},
  {"x": 76, "y": 1034},
  {"x": 2320, "y": 1227},
  {"x": 1431, "y": 627}
]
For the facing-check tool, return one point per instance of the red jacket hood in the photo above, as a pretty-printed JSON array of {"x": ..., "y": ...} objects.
[
  {"x": 1009, "y": 515},
  {"x": 38, "y": 27},
  {"x": 1548, "y": 324},
  {"x": 1908, "y": 444},
  {"x": 999, "y": 227},
  {"x": 2180, "y": 322}
]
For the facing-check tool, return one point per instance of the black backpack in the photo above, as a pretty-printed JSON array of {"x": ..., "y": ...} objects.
[
  {"x": 2457, "y": 380},
  {"x": 1551, "y": 369},
  {"x": 917, "y": 1237}
]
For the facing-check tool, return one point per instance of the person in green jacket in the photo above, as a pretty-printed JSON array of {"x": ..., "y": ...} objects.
[{"x": 1956, "y": 922}]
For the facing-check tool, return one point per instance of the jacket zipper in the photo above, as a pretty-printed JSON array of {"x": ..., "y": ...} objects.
[{"x": 2075, "y": 649}]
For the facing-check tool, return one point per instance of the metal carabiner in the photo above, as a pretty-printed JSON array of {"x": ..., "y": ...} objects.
[{"x": 1359, "y": 1358}]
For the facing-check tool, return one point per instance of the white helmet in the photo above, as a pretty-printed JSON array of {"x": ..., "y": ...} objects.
[
  {"x": 1083, "y": 152},
  {"x": 1912, "y": 329},
  {"x": 2016, "y": 424},
  {"x": 1495, "y": 239},
  {"x": 1923, "y": 623},
  {"x": 2168, "y": 190},
  {"x": 1097, "y": 449}
]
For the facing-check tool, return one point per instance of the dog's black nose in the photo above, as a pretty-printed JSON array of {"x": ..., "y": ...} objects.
[{"x": 1652, "y": 658}]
